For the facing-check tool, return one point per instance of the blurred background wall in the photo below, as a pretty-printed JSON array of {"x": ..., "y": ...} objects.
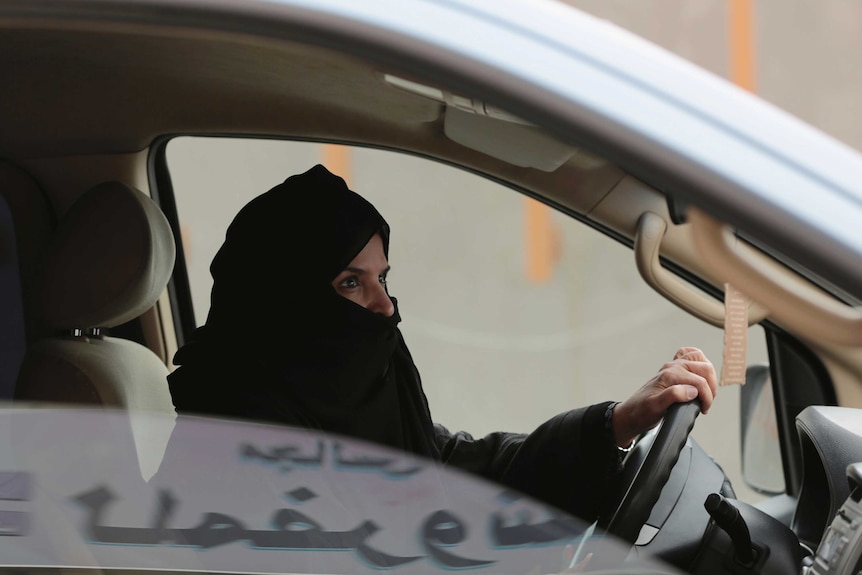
[{"x": 801, "y": 55}]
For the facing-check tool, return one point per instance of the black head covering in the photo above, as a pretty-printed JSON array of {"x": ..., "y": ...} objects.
[{"x": 281, "y": 345}]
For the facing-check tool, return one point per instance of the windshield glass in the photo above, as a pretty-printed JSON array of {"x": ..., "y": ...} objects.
[{"x": 143, "y": 491}]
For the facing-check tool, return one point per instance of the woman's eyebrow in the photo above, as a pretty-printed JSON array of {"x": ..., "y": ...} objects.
[{"x": 360, "y": 271}]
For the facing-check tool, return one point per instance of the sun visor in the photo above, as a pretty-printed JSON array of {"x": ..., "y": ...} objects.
[
  {"x": 518, "y": 144},
  {"x": 497, "y": 133}
]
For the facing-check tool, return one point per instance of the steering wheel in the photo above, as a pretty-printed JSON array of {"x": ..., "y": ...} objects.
[{"x": 635, "y": 507}]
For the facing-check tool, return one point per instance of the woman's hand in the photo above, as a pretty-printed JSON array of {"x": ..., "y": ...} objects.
[{"x": 689, "y": 375}]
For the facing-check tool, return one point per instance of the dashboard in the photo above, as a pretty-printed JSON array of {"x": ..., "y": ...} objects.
[
  {"x": 700, "y": 527},
  {"x": 828, "y": 515}
]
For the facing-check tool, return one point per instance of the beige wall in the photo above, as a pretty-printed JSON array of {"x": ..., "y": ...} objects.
[{"x": 804, "y": 54}]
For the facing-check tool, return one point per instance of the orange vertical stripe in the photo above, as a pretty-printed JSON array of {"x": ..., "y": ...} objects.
[
  {"x": 539, "y": 238},
  {"x": 741, "y": 40},
  {"x": 337, "y": 160}
]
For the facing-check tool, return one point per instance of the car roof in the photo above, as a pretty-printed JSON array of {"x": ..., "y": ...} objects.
[{"x": 104, "y": 76}]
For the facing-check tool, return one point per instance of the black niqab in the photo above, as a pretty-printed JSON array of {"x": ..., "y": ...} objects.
[{"x": 281, "y": 345}]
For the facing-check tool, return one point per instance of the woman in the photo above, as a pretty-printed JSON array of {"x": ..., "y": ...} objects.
[{"x": 302, "y": 331}]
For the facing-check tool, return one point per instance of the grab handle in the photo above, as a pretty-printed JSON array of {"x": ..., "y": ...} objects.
[{"x": 651, "y": 231}]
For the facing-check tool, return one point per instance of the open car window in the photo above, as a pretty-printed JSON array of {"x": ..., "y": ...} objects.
[{"x": 513, "y": 312}]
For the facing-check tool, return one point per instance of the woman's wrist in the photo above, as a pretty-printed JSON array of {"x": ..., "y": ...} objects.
[{"x": 619, "y": 425}]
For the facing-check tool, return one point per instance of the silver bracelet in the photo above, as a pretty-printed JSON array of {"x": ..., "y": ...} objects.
[
  {"x": 629, "y": 448},
  {"x": 609, "y": 414}
]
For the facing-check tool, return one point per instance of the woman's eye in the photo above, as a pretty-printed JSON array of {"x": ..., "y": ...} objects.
[
  {"x": 382, "y": 279},
  {"x": 350, "y": 283}
]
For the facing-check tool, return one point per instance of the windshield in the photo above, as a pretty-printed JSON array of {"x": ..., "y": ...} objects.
[{"x": 142, "y": 491}]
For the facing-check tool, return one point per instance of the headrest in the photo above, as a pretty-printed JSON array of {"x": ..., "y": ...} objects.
[{"x": 108, "y": 262}]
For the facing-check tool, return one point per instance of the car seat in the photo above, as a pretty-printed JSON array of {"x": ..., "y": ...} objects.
[{"x": 108, "y": 261}]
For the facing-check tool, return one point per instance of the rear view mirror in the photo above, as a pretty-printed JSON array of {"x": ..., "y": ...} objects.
[{"x": 762, "y": 468}]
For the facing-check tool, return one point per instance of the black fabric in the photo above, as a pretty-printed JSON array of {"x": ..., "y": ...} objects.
[
  {"x": 570, "y": 461},
  {"x": 280, "y": 345},
  {"x": 294, "y": 350}
]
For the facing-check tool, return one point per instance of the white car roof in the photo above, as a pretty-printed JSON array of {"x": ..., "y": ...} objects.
[{"x": 677, "y": 127}]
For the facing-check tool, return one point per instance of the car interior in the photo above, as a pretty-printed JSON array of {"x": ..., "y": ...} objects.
[{"x": 96, "y": 297}]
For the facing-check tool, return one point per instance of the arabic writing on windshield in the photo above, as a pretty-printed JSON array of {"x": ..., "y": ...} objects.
[
  {"x": 290, "y": 529},
  {"x": 235, "y": 497}
]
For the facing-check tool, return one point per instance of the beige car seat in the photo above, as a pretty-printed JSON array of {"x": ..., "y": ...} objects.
[{"x": 108, "y": 262}]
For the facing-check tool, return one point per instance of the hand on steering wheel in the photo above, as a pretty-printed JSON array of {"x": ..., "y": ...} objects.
[
  {"x": 689, "y": 375},
  {"x": 683, "y": 388}
]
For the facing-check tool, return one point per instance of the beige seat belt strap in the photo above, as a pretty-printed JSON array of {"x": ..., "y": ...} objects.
[{"x": 733, "y": 361}]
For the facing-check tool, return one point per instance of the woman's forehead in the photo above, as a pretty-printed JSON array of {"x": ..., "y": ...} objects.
[{"x": 371, "y": 258}]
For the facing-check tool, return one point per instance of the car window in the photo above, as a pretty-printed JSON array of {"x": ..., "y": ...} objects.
[{"x": 513, "y": 312}]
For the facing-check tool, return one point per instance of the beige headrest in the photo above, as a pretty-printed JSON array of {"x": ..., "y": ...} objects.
[{"x": 109, "y": 260}]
